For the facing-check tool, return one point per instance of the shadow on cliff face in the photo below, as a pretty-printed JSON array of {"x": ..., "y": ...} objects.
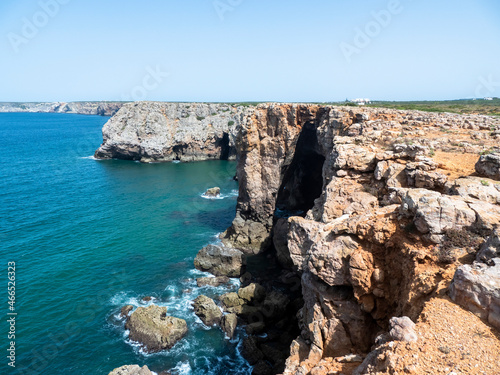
[
  {"x": 225, "y": 150},
  {"x": 303, "y": 180}
]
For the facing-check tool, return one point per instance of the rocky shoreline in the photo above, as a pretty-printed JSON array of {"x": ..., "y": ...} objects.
[
  {"x": 379, "y": 221},
  {"x": 82, "y": 108}
]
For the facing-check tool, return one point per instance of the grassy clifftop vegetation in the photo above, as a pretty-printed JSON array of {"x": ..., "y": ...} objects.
[{"x": 464, "y": 106}]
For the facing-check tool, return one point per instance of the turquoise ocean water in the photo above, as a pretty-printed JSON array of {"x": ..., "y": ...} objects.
[{"x": 89, "y": 237}]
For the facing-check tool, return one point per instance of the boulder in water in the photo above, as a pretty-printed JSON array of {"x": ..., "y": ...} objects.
[
  {"x": 206, "y": 309},
  {"x": 212, "y": 281},
  {"x": 220, "y": 261},
  {"x": 126, "y": 310},
  {"x": 213, "y": 192},
  {"x": 151, "y": 327},
  {"x": 252, "y": 292},
  {"x": 131, "y": 370},
  {"x": 228, "y": 324}
]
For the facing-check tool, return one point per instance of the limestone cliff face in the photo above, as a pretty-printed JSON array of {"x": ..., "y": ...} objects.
[
  {"x": 375, "y": 209},
  {"x": 83, "y": 108},
  {"x": 158, "y": 132},
  {"x": 266, "y": 147},
  {"x": 378, "y": 211}
]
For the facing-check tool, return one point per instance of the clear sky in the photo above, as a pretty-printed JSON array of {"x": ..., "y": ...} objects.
[{"x": 248, "y": 50}]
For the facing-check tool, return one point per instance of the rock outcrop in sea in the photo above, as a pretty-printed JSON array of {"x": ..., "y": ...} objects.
[
  {"x": 131, "y": 370},
  {"x": 389, "y": 218},
  {"x": 159, "y": 132},
  {"x": 154, "y": 329}
]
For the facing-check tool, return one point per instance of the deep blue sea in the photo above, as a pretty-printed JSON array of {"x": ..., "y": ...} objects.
[{"x": 89, "y": 237}]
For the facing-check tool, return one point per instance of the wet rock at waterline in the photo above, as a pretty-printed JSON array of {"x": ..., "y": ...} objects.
[
  {"x": 212, "y": 281},
  {"x": 125, "y": 311},
  {"x": 220, "y": 261},
  {"x": 152, "y": 328},
  {"x": 213, "y": 192},
  {"x": 228, "y": 324},
  {"x": 131, "y": 370},
  {"x": 206, "y": 309}
]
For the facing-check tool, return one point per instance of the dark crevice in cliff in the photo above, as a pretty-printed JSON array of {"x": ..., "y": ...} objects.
[
  {"x": 303, "y": 180},
  {"x": 179, "y": 150},
  {"x": 225, "y": 149}
]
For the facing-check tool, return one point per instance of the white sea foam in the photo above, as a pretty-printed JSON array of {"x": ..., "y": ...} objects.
[
  {"x": 182, "y": 368},
  {"x": 172, "y": 289},
  {"x": 123, "y": 299},
  {"x": 232, "y": 194},
  {"x": 176, "y": 161},
  {"x": 91, "y": 157}
]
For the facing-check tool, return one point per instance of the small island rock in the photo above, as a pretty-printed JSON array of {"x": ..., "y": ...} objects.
[
  {"x": 151, "y": 327},
  {"x": 213, "y": 192}
]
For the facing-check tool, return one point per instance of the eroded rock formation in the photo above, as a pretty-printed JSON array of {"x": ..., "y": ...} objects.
[
  {"x": 156, "y": 132},
  {"x": 82, "y": 108},
  {"x": 374, "y": 209},
  {"x": 154, "y": 329}
]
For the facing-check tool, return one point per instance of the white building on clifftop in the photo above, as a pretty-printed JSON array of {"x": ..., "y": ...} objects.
[{"x": 361, "y": 101}]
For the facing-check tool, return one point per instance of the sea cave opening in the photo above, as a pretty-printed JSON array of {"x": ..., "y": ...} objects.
[{"x": 303, "y": 179}]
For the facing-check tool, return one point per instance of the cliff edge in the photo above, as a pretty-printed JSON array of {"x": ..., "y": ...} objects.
[
  {"x": 160, "y": 132},
  {"x": 390, "y": 219},
  {"x": 82, "y": 108}
]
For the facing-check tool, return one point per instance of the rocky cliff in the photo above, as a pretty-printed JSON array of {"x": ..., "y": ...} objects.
[
  {"x": 376, "y": 210},
  {"x": 159, "y": 132},
  {"x": 390, "y": 219},
  {"x": 83, "y": 108}
]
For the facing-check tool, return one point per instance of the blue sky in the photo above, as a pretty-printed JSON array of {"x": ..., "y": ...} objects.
[{"x": 242, "y": 50}]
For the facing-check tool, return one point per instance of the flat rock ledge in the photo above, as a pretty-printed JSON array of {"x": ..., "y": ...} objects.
[
  {"x": 131, "y": 370},
  {"x": 221, "y": 261},
  {"x": 151, "y": 327}
]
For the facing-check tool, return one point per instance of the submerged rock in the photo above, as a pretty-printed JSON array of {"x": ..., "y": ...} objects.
[
  {"x": 221, "y": 261},
  {"x": 131, "y": 370},
  {"x": 206, "y": 309},
  {"x": 151, "y": 327},
  {"x": 213, "y": 192},
  {"x": 124, "y": 312}
]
